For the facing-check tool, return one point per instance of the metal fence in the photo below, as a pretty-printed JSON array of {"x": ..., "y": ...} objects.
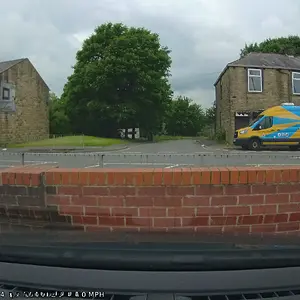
[{"x": 145, "y": 160}]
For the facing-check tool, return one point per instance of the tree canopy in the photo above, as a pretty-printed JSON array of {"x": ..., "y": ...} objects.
[
  {"x": 120, "y": 80},
  {"x": 185, "y": 118},
  {"x": 59, "y": 122},
  {"x": 283, "y": 45}
]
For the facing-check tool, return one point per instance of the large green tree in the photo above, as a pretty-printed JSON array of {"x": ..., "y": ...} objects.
[
  {"x": 59, "y": 121},
  {"x": 283, "y": 45},
  {"x": 185, "y": 117},
  {"x": 120, "y": 80}
]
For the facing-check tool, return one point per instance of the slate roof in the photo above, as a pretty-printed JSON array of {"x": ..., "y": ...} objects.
[
  {"x": 265, "y": 60},
  {"x": 5, "y": 65}
]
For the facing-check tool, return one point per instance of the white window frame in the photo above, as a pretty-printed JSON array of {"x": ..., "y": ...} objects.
[
  {"x": 260, "y": 76},
  {"x": 293, "y": 73}
]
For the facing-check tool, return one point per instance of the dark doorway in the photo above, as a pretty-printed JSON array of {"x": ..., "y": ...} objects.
[{"x": 241, "y": 120}]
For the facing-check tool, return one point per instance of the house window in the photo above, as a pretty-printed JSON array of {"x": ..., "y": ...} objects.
[
  {"x": 296, "y": 83},
  {"x": 254, "y": 80},
  {"x": 5, "y": 94}
]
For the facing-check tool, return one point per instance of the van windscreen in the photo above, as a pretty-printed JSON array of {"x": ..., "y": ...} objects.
[{"x": 255, "y": 120}]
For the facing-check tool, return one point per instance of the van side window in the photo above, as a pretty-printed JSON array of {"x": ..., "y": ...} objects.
[{"x": 266, "y": 123}]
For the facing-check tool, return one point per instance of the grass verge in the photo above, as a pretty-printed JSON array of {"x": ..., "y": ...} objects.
[{"x": 71, "y": 141}]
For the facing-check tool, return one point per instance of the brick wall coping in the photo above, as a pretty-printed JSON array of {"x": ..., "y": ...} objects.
[{"x": 151, "y": 176}]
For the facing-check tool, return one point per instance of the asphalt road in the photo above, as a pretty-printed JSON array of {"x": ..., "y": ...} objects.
[{"x": 172, "y": 154}]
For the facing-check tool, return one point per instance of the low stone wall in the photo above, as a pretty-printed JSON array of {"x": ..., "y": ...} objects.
[{"x": 218, "y": 200}]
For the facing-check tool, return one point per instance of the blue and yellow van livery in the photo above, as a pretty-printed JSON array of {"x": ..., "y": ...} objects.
[{"x": 276, "y": 126}]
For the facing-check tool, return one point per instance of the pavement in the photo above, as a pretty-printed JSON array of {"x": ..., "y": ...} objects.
[{"x": 169, "y": 154}]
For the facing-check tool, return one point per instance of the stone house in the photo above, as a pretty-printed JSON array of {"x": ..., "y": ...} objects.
[
  {"x": 252, "y": 84},
  {"x": 24, "y": 97}
]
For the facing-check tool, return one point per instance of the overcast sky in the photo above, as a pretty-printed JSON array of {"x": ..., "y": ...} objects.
[{"x": 204, "y": 35}]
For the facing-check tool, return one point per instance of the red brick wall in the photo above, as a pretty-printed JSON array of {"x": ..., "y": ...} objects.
[{"x": 250, "y": 200}]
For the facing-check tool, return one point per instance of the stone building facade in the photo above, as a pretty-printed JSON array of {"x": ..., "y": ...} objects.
[
  {"x": 252, "y": 84},
  {"x": 24, "y": 97}
]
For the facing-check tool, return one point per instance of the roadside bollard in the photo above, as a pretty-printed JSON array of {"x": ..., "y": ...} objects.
[{"x": 23, "y": 159}]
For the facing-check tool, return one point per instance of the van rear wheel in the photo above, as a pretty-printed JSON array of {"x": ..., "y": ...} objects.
[{"x": 254, "y": 144}]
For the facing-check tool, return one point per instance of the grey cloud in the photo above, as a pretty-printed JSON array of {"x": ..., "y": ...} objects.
[{"x": 203, "y": 35}]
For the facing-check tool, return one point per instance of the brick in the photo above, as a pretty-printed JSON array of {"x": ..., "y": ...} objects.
[
  {"x": 215, "y": 176},
  {"x": 147, "y": 177},
  {"x": 276, "y": 218},
  {"x": 58, "y": 200},
  {"x": 220, "y": 220},
  {"x": 168, "y": 177},
  {"x": 177, "y": 177},
  {"x": 111, "y": 221},
  {"x": 51, "y": 190},
  {"x": 288, "y": 226},
  {"x": 30, "y": 201},
  {"x": 263, "y": 228},
  {"x": 124, "y": 211},
  {"x": 236, "y": 210},
  {"x": 65, "y": 190},
  {"x": 210, "y": 190},
  {"x": 95, "y": 191},
  {"x": 134, "y": 201},
  {"x": 71, "y": 210},
  {"x": 251, "y": 199},
  {"x": 111, "y": 201},
  {"x": 167, "y": 201},
  {"x": 180, "y": 191},
  {"x": 158, "y": 177},
  {"x": 186, "y": 176},
  {"x": 152, "y": 212},
  {"x": 270, "y": 176},
  {"x": 250, "y": 220},
  {"x": 206, "y": 177},
  {"x": 85, "y": 220},
  {"x": 263, "y": 209},
  {"x": 280, "y": 198},
  {"x": 237, "y": 190},
  {"x": 84, "y": 200},
  {"x": 139, "y": 222},
  {"x": 233, "y": 175},
  {"x": 288, "y": 188},
  {"x": 285, "y": 175},
  {"x": 97, "y": 211},
  {"x": 94, "y": 177},
  {"x": 196, "y": 201},
  {"x": 264, "y": 189},
  {"x": 223, "y": 200},
  {"x": 195, "y": 176},
  {"x": 195, "y": 221},
  {"x": 122, "y": 191},
  {"x": 243, "y": 177},
  {"x": 166, "y": 222},
  {"x": 261, "y": 176},
  {"x": 210, "y": 211},
  {"x": 225, "y": 175},
  {"x": 151, "y": 191},
  {"x": 292, "y": 207},
  {"x": 181, "y": 212},
  {"x": 295, "y": 198},
  {"x": 294, "y": 217}
]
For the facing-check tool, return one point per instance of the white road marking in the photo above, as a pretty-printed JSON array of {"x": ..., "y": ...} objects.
[
  {"x": 93, "y": 166},
  {"x": 137, "y": 163},
  {"x": 258, "y": 165},
  {"x": 167, "y": 152},
  {"x": 173, "y": 166}
]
